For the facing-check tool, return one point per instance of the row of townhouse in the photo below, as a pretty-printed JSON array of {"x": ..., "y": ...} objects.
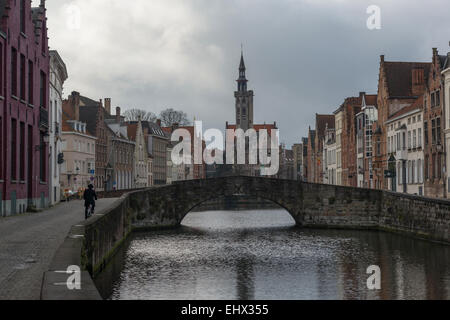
[
  {"x": 115, "y": 154},
  {"x": 396, "y": 140}
]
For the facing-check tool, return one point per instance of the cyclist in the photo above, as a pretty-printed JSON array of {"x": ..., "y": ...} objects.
[{"x": 89, "y": 200}]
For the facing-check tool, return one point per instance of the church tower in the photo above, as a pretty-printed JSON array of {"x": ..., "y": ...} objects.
[{"x": 244, "y": 100}]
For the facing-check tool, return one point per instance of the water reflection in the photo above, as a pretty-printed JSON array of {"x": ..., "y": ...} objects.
[{"x": 260, "y": 255}]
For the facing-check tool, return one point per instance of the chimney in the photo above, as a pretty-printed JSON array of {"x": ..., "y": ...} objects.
[
  {"x": 100, "y": 102},
  {"x": 418, "y": 81},
  {"x": 158, "y": 122},
  {"x": 108, "y": 105},
  {"x": 75, "y": 102},
  {"x": 435, "y": 52},
  {"x": 362, "y": 94},
  {"x": 117, "y": 114}
]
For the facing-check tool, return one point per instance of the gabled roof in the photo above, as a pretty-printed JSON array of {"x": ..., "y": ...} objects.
[
  {"x": 88, "y": 115},
  {"x": 371, "y": 99},
  {"x": 322, "y": 122},
  {"x": 154, "y": 129},
  {"x": 399, "y": 77}
]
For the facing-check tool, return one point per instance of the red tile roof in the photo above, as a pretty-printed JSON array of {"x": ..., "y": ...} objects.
[{"x": 399, "y": 77}]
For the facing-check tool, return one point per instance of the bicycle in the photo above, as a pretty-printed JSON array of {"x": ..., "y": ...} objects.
[{"x": 89, "y": 211}]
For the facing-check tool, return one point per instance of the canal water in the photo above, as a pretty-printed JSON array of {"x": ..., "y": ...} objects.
[{"x": 262, "y": 255}]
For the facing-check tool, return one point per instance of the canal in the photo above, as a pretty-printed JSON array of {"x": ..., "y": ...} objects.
[{"x": 262, "y": 255}]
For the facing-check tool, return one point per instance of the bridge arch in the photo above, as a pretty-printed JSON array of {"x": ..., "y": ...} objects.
[{"x": 223, "y": 197}]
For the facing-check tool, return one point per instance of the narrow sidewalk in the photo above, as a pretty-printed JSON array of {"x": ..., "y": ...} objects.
[{"x": 28, "y": 243}]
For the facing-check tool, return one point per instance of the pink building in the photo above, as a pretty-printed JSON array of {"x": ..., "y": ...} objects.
[{"x": 24, "y": 92}]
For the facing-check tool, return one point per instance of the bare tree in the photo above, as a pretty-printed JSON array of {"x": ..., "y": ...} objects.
[
  {"x": 170, "y": 116},
  {"x": 134, "y": 114}
]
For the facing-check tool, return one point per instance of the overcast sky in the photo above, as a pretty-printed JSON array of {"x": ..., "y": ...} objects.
[{"x": 302, "y": 56}]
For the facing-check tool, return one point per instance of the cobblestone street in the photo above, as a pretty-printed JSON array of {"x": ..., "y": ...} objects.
[{"x": 28, "y": 243}]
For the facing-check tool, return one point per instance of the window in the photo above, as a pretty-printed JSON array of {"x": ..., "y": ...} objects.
[
  {"x": 404, "y": 141},
  {"x": 43, "y": 92},
  {"x": 438, "y": 130},
  {"x": 433, "y": 100},
  {"x": 13, "y": 71},
  {"x": 414, "y": 144},
  {"x": 419, "y": 139},
  {"x": 427, "y": 163},
  {"x": 42, "y": 162},
  {"x": 22, "y": 16},
  {"x": 22, "y": 77},
  {"x": 425, "y": 132},
  {"x": 409, "y": 140},
  {"x": 30, "y": 82},
  {"x": 438, "y": 98},
  {"x": 439, "y": 166},
  {"x": 378, "y": 147},
  {"x": 22, "y": 151},
  {"x": 433, "y": 131},
  {"x": 13, "y": 149},
  {"x": 433, "y": 166}
]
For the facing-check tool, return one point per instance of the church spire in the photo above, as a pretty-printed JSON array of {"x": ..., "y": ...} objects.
[{"x": 242, "y": 81}]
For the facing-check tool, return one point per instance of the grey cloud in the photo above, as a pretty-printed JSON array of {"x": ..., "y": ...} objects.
[{"x": 302, "y": 57}]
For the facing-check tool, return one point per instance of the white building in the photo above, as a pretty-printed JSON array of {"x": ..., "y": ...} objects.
[
  {"x": 58, "y": 74},
  {"x": 339, "y": 114},
  {"x": 405, "y": 146},
  {"x": 364, "y": 133},
  {"x": 329, "y": 157}
]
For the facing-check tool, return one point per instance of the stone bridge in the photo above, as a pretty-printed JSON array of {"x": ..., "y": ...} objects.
[{"x": 306, "y": 203}]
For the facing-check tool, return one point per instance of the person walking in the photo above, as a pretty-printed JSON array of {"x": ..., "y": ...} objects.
[{"x": 89, "y": 200}]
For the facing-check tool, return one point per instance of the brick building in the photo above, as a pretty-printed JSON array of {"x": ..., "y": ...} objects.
[
  {"x": 311, "y": 156},
  {"x": 323, "y": 122},
  {"x": 24, "y": 109},
  {"x": 399, "y": 85},
  {"x": 434, "y": 125},
  {"x": 121, "y": 154},
  {"x": 157, "y": 142},
  {"x": 350, "y": 108},
  {"x": 93, "y": 114}
]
